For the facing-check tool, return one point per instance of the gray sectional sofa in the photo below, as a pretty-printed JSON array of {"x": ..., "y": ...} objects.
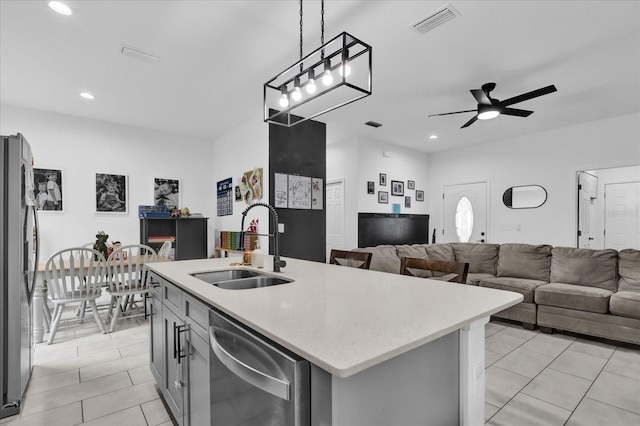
[{"x": 592, "y": 292}]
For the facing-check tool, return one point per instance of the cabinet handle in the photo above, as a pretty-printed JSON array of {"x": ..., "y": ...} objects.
[
  {"x": 146, "y": 298},
  {"x": 154, "y": 284},
  {"x": 181, "y": 329},
  {"x": 175, "y": 350}
]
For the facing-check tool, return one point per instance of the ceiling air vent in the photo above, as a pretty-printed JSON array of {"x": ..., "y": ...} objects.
[
  {"x": 436, "y": 18},
  {"x": 373, "y": 124},
  {"x": 139, "y": 54}
]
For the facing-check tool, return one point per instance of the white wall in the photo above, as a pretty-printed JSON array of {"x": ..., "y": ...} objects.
[
  {"x": 550, "y": 159},
  {"x": 83, "y": 147},
  {"x": 235, "y": 153},
  {"x": 361, "y": 160}
]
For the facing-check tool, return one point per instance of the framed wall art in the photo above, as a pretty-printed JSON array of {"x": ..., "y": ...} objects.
[
  {"x": 111, "y": 193},
  {"x": 383, "y": 179},
  {"x": 48, "y": 189},
  {"x": 166, "y": 192},
  {"x": 370, "y": 187},
  {"x": 397, "y": 187},
  {"x": 383, "y": 197},
  {"x": 419, "y": 195},
  {"x": 407, "y": 202},
  {"x": 411, "y": 184}
]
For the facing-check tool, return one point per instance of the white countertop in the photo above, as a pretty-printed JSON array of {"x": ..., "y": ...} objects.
[{"x": 342, "y": 319}]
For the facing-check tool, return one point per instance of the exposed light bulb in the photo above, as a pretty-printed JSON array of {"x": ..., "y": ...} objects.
[
  {"x": 61, "y": 8},
  {"x": 327, "y": 78},
  {"x": 284, "y": 97},
  {"x": 311, "y": 84},
  {"x": 297, "y": 94},
  {"x": 346, "y": 71}
]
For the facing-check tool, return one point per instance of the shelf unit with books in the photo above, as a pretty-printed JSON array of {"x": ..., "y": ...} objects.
[{"x": 188, "y": 235}]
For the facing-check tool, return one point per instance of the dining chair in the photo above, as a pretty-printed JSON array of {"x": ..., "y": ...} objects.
[
  {"x": 127, "y": 278},
  {"x": 165, "y": 250},
  {"x": 353, "y": 259},
  {"x": 74, "y": 275},
  {"x": 456, "y": 271}
]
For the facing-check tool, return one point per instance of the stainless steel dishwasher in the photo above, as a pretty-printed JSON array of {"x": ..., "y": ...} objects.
[{"x": 255, "y": 382}]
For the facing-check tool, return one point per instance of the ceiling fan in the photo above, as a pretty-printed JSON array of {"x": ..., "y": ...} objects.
[{"x": 489, "y": 107}]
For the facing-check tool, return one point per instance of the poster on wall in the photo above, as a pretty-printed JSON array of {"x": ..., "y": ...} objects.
[
  {"x": 48, "y": 188},
  {"x": 251, "y": 185},
  {"x": 299, "y": 192},
  {"x": 166, "y": 192},
  {"x": 225, "y": 197},
  {"x": 317, "y": 194},
  {"x": 111, "y": 193},
  {"x": 281, "y": 191}
]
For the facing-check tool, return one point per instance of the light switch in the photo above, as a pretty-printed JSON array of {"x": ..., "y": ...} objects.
[{"x": 281, "y": 228}]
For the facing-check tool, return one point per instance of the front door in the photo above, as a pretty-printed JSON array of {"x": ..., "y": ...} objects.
[
  {"x": 335, "y": 216},
  {"x": 622, "y": 215},
  {"x": 465, "y": 213}
]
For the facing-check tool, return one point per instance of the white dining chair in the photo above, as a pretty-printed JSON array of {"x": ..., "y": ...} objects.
[
  {"x": 74, "y": 275},
  {"x": 128, "y": 278},
  {"x": 165, "y": 250}
]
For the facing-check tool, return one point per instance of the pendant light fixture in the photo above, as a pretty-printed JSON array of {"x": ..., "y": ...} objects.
[{"x": 336, "y": 74}]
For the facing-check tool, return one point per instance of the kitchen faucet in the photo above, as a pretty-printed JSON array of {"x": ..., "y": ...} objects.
[{"x": 277, "y": 262}]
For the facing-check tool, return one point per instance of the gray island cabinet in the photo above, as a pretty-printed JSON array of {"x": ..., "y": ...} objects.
[{"x": 380, "y": 348}]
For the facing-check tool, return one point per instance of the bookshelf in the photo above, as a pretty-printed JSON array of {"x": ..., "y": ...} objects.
[{"x": 188, "y": 235}]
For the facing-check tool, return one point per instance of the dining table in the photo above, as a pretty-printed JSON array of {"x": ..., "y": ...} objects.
[{"x": 41, "y": 310}]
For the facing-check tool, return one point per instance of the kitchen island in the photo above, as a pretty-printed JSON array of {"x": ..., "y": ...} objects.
[{"x": 390, "y": 349}]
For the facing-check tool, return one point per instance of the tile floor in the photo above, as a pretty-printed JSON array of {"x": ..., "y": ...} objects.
[{"x": 531, "y": 379}]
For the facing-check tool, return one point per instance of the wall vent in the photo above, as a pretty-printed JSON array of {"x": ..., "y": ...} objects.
[
  {"x": 373, "y": 124},
  {"x": 139, "y": 54},
  {"x": 436, "y": 18}
]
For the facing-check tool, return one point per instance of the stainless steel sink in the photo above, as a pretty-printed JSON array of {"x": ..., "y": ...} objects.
[{"x": 239, "y": 279}]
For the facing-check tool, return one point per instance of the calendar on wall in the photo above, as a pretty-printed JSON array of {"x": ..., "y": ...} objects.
[{"x": 225, "y": 197}]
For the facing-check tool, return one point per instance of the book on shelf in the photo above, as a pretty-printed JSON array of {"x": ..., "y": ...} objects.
[{"x": 161, "y": 239}]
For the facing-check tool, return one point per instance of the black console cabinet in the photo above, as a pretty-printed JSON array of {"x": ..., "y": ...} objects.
[{"x": 188, "y": 235}]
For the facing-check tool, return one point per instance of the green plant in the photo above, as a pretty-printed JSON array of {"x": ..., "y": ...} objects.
[{"x": 101, "y": 243}]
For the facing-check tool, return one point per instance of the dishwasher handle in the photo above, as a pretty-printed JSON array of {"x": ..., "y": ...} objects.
[{"x": 265, "y": 382}]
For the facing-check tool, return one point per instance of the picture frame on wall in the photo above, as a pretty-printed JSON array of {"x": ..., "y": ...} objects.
[
  {"x": 370, "y": 187},
  {"x": 48, "y": 189},
  {"x": 407, "y": 201},
  {"x": 383, "y": 179},
  {"x": 419, "y": 195},
  {"x": 166, "y": 192},
  {"x": 383, "y": 197},
  {"x": 111, "y": 193},
  {"x": 411, "y": 184},
  {"x": 397, "y": 187}
]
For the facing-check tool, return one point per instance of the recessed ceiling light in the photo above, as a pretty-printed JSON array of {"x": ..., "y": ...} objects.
[
  {"x": 61, "y": 8},
  {"x": 87, "y": 95},
  {"x": 433, "y": 137}
]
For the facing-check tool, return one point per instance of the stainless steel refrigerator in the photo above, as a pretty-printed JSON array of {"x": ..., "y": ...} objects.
[{"x": 18, "y": 263}]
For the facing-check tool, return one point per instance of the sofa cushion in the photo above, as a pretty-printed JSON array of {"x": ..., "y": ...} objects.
[
  {"x": 571, "y": 296},
  {"x": 625, "y": 304},
  {"x": 585, "y": 267},
  {"x": 440, "y": 252},
  {"x": 629, "y": 269},
  {"x": 482, "y": 258},
  {"x": 384, "y": 258},
  {"x": 415, "y": 250},
  {"x": 474, "y": 279},
  {"x": 524, "y": 286},
  {"x": 525, "y": 261}
]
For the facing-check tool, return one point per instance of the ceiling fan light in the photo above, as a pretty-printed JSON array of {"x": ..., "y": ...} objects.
[{"x": 487, "y": 112}]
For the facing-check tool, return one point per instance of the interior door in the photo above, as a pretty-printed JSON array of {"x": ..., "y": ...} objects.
[
  {"x": 335, "y": 216},
  {"x": 464, "y": 217},
  {"x": 622, "y": 215},
  {"x": 587, "y": 194}
]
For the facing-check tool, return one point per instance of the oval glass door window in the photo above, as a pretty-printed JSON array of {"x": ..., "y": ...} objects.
[{"x": 464, "y": 219}]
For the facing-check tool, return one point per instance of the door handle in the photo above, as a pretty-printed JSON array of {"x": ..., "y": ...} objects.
[{"x": 480, "y": 241}]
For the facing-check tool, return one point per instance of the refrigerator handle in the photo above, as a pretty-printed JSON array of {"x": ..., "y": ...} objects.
[{"x": 31, "y": 290}]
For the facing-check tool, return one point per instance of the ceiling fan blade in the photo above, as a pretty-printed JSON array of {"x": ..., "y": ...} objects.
[
  {"x": 481, "y": 97},
  {"x": 470, "y": 122},
  {"x": 529, "y": 95},
  {"x": 457, "y": 112},
  {"x": 516, "y": 112}
]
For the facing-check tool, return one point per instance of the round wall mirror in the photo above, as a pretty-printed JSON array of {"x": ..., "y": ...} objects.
[{"x": 524, "y": 197}]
